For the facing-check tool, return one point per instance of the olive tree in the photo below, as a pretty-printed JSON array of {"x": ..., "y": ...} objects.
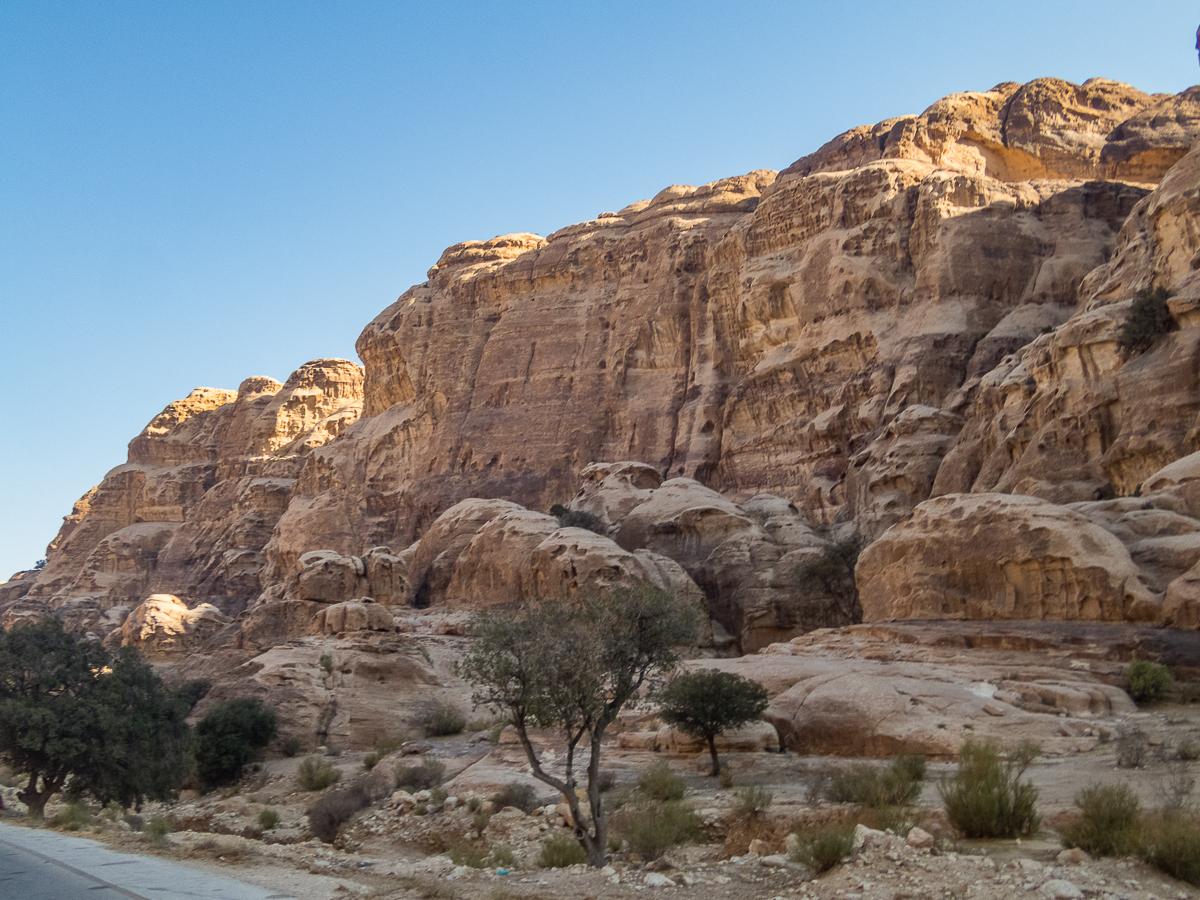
[
  {"x": 74, "y": 716},
  {"x": 706, "y": 703},
  {"x": 573, "y": 665}
]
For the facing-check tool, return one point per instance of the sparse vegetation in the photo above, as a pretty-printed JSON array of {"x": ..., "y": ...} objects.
[
  {"x": 1172, "y": 844},
  {"x": 290, "y": 746},
  {"x": 561, "y": 850},
  {"x": 332, "y": 810},
  {"x": 1148, "y": 319},
  {"x": 444, "y": 720},
  {"x": 1147, "y": 682},
  {"x": 707, "y": 703},
  {"x": 157, "y": 829},
  {"x": 428, "y": 774},
  {"x": 326, "y": 663},
  {"x": 652, "y": 829},
  {"x": 577, "y": 518},
  {"x": 315, "y": 774},
  {"x": 1108, "y": 821},
  {"x": 820, "y": 849},
  {"x": 986, "y": 797},
  {"x": 268, "y": 819},
  {"x": 660, "y": 783},
  {"x": 876, "y": 788},
  {"x": 752, "y": 801},
  {"x": 515, "y": 794},
  {"x": 827, "y": 589},
  {"x": 1131, "y": 747},
  {"x": 72, "y": 817}
]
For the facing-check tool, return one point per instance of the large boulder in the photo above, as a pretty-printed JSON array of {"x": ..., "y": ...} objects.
[
  {"x": 996, "y": 556},
  {"x": 163, "y": 628}
]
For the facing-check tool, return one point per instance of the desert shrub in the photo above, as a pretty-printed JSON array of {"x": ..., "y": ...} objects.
[
  {"x": 752, "y": 801},
  {"x": 826, "y": 587},
  {"x": 268, "y": 819},
  {"x": 561, "y": 850},
  {"x": 660, "y": 783},
  {"x": 654, "y": 828},
  {"x": 1171, "y": 843},
  {"x": 875, "y": 788},
  {"x": 1188, "y": 751},
  {"x": 479, "y": 821},
  {"x": 444, "y": 720},
  {"x": 315, "y": 774},
  {"x": 1148, "y": 320},
  {"x": 1131, "y": 748},
  {"x": 504, "y": 857},
  {"x": 515, "y": 794},
  {"x": 437, "y": 796},
  {"x": 577, "y": 518},
  {"x": 1108, "y": 822},
  {"x": 421, "y": 809},
  {"x": 607, "y": 781},
  {"x": 291, "y": 745},
  {"x": 72, "y": 817},
  {"x": 326, "y": 663},
  {"x": 134, "y": 821},
  {"x": 986, "y": 797},
  {"x": 332, "y": 810},
  {"x": 725, "y": 778},
  {"x": 429, "y": 774},
  {"x": 1147, "y": 682},
  {"x": 229, "y": 736},
  {"x": 157, "y": 827},
  {"x": 820, "y": 849},
  {"x": 463, "y": 854}
]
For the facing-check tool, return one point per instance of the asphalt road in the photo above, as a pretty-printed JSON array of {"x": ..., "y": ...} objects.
[{"x": 45, "y": 865}]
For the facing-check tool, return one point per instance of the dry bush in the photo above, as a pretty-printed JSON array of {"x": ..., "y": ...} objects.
[
  {"x": 315, "y": 774},
  {"x": 331, "y": 811}
]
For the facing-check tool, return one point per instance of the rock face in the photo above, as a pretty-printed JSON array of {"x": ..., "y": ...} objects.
[{"x": 896, "y": 328}]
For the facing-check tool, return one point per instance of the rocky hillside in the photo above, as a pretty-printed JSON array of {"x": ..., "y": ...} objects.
[{"x": 909, "y": 335}]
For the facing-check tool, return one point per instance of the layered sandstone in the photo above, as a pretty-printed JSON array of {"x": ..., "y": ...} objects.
[{"x": 785, "y": 360}]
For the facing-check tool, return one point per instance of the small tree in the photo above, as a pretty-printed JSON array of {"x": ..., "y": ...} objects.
[
  {"x": 73, "y": 716},
  {"x": 229, "y": 736},
  {"x": 705, "y": 704},
  {"x": 573, "y": 665},
  {"x": 1147, "y": 321}
]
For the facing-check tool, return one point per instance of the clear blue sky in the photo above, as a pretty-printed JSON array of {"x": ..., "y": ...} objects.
[{"x": 195, "y": 192}]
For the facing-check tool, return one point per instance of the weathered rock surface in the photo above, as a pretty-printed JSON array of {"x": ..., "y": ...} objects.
[
  {"x": 164, "y": 629},
  {"x": 895, "y": 317}
]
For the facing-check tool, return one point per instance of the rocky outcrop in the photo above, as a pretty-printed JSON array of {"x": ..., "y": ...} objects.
[
  {"x": 787, "y": 360},
  {"x": 164, "y": 629}
]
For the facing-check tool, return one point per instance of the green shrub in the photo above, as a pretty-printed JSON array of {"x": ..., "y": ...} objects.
[
  {"x": 654, "y": 828},
  {"x": 326, "y": 663},
  {"x": 444, "y": 720},
  {"x": 429, "y": 774},
  {"x": 752, "y": 801},
  {"x": 315, "y": 774},
  {"x": 561, "y": 850},
  {"x": 986, "y": 797},
  {"x": 159, "y": 827},
  {"x": 291, "y": 745},
  {"x": 1148, "y": 319},
  {"x": 268, "y": 819},
  {"x": 421, "y": 809},
  {"x": 875, "y": 788},
  {"x": 229, "y": 736},
  {"x": 72, "y": 817},
  {"x": 1147, "y": 682},
  {"x": 479, "y": 821},
  {"x": 1109, "y": 821},
  {"x": 504, "y": 857},
  {"x": 515, "y": 794},
  {"x": 332, "y": 810},
  {"x": 468, "y": 855},
  {"x": 1171, "y": 843},
  {"x": 437, "y": 796},
  {"x": 820, "y": 849},
  {"x": 577, "y": 518},
  {"x": 660, "y": 783}
]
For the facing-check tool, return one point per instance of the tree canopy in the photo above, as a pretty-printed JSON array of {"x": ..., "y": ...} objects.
[
  {"x": 74, "y": 716},
  {"x": 706, "y": 703},
  {"x": 573, "y": 665},
  {"x": 229, "y": 736}
]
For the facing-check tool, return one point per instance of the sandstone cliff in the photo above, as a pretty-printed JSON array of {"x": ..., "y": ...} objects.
[{"x": 920, "y": 309}]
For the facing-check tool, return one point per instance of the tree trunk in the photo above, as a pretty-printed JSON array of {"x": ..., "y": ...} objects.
[
  {"x": 712, "y": 749},
  {"x": 35, "y": 799}
]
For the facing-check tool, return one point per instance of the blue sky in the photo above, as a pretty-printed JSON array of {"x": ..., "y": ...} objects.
[{"x": 193, "y": 193}]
